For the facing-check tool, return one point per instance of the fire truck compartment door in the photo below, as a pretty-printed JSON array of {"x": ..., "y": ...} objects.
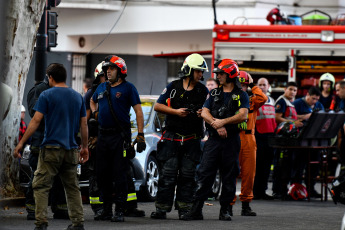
[
  {"x": 274, "y": 52},
  {"x": 252, "y": 54}
]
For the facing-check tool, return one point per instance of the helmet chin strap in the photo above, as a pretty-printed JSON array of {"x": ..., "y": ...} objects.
[{"x": 116, "y": 78}]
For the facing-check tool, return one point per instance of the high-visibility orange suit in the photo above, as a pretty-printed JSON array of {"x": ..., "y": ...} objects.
[{"x": 247, "y": 156}]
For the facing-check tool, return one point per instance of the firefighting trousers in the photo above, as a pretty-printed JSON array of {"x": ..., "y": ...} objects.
[
  {"x": 247, "y": 159},
  {"x": 177, "y": 164},
  {"x": 54, "y": 161},
  {"x": 219, "y": 154},
  {"x": 264, "y": 159},
  {"x": 57, "y": 198},
  {"x": 89, "y": 171},
  {"x": 132, "y": 201},
  {"x": 111, "y": 169},
  {"x": 282, "y": 171}
]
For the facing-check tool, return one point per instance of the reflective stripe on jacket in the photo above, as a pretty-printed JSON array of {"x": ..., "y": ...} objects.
[{"x": 266, "y": 117}]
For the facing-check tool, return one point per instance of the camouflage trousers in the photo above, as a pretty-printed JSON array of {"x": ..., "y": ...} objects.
[{"x": 54, "y": 161}]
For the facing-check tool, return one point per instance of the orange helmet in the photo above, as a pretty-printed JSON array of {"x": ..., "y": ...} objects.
[
  {"x": 228, "y": 66},
  {"x": 243, "y": 77},
  {"x": 113, "y": 60}
]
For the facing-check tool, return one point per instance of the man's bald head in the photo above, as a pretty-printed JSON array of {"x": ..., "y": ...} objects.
[{"x": 263, "y": 85}]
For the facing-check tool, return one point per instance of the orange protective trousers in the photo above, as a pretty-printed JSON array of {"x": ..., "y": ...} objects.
[{"x": 247, "y": 156}]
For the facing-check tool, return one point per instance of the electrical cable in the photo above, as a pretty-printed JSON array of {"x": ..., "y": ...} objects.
[{"x": 100, "y": 43}]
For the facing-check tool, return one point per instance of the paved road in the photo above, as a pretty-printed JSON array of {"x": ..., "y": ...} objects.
[{"x": 272, "y": 215}]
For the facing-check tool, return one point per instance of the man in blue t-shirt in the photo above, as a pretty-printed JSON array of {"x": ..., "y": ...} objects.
[
  {"x": 59, "y": 153},
  {"x": 57, "y": 192},
  {"x": 114, "y": 134},
  {"x": 304, "y": 107}
]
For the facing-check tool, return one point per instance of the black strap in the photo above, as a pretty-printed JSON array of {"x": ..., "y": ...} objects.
[{"x": 123, "y": 133}]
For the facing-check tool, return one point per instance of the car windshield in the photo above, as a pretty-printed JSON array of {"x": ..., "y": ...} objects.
[{"x": 147, "y": 109}]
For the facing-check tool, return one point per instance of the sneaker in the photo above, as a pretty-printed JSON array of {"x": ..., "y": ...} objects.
[
  {"x": 134, "y": 212},
  {"x": 78, "y": 227}
]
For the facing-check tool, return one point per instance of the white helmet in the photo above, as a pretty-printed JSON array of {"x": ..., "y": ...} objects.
[
  {"x": 99, "y": 70},
  {"x": 327, "y": 77},
  {"x": 22, "y": 108},
  {"x": 193, "y": 61}
]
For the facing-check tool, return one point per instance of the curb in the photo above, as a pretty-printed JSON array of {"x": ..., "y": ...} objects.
[{"x": 10, "y": 202}]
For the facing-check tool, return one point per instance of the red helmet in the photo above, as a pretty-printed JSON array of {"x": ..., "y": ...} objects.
[
  {"x": 286, "y": 129},
  {"x": 298, "y": 191},
  {"x": 228, "y": 66},
  {"x": 243, "y": 77},
  {"x": 113, "y": 60}
]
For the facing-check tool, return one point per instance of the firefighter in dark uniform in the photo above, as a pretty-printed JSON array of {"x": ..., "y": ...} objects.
[
  {"x": 224, "y": 112},
  {"x": 111, "y": 161},
  {"x": 131, "y": 207},
  {"x": 89, "y": 168},
  {"x": 57, "y": 197},
  {"x": 179, "y": 149}
]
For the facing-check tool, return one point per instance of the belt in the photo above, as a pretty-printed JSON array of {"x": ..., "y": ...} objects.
[
  {"x": 179, "y": 137},
  {"x": 34, "y": 150},
  {"x": 248, "y": 131}
]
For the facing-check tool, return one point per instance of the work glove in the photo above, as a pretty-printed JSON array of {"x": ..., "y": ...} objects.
[
  {"x": 242, "y": 125},
  {"x": 92, "y": 142},
  {"x": 140, "y": 141}
]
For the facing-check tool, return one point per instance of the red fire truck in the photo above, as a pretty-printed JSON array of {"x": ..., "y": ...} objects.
[{"x": 283, "y": 53}]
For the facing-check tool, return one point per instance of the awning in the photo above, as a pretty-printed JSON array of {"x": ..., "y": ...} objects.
[{"x": 182, "y": 54}]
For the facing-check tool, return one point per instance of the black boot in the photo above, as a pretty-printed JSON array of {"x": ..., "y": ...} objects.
[
  {"x": 72, "y": 227},
  {"x": 159, "y": 214},
  {"x": 224, "y": 213},
  {"x": 31, "y": 216},
  {"x": 119, "y": 216},
  {"x": 61, "y": 214},
  {"x": 246, "y": 210},
  {"x": 230, "y": 211},
  {"x": 182, "y": 212},
  {"x": 105, "y": 214},
  {"x": 134, "y": 212},
  {"x": 41, "y": 227},
  {"x": 195, "y": 213}
]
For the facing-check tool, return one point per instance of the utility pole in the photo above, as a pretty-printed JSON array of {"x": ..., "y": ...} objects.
[
  {"x": 41, "y": 48},
  {"x": 46, "y": 37}
]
